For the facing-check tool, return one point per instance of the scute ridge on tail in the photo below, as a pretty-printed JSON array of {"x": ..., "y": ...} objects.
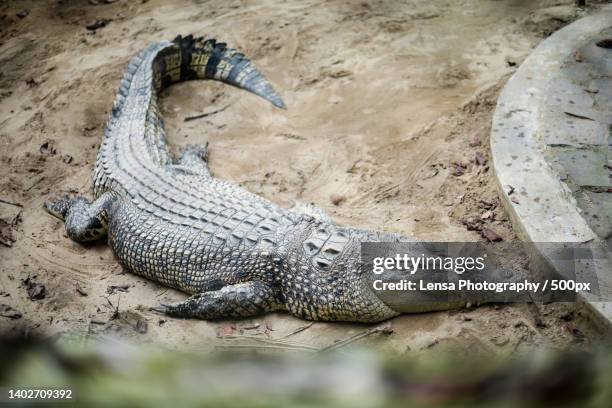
[{"x": 205, "y": 58}]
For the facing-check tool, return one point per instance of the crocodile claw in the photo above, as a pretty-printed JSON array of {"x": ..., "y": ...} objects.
[
  {"x": 58, "y": 206},
  {"x": 161, "y": 308}
]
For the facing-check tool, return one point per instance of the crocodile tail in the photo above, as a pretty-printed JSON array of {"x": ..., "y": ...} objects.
[{"x": 201, "y": 58}]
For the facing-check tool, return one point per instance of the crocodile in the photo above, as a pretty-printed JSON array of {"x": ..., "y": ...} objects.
[{"x": 171, "y": 221}]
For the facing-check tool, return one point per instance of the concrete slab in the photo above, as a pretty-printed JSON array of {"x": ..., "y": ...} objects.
[
  {"x": 551, "y": 146},
  {"x": 597, "y": 210},
  {"x": 586, "y": 167}
]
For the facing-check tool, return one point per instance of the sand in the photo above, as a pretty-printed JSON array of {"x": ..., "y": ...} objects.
[{"x": 389, "y": 110}]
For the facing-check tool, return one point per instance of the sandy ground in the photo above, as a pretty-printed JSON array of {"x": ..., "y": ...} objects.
[{"x": 389, "y": 109}]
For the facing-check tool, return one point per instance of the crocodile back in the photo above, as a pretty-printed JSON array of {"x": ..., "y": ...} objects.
[{"x": 164, "y": 212}]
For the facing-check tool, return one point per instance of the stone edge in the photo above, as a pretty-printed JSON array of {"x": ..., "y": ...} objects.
[{"x": 546, "y": 210}]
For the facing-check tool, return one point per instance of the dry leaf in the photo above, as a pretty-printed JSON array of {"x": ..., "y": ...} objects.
[
  {"x": 227, "y": 330},
  {"x": 486, "y": 215},
  {"x": 480, "y": 159},
  {"x": 337, "y": 199},
  {"x": 490, "y": 235},
  {"x": 141, "y": 326}
]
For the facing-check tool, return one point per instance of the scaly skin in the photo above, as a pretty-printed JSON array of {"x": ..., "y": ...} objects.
[{"x": 172, "y": 222}]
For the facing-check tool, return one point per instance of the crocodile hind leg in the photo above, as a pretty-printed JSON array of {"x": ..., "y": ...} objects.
[
  {"x": 85, "y": 220},
  {"x": 233, "y": 301},
  {"x": 194, "y": 159}
]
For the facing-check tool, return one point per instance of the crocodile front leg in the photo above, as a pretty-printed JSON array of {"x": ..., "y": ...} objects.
[
  {"x": 239, "y": 300},
  {"x": 85, "y": 221},
  {"x": 315, "y": 212}
]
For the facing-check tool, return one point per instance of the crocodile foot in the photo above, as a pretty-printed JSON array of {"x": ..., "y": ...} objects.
[
  {"x": 240, "y": 300},
  {"x": 58, "y": 207},
  {"x": 194, "y": 160},
  {"x": 85, "y": 221}
]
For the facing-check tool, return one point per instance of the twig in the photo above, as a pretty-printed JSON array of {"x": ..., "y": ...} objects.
[
  {"x": 35, "y": 183},
  {"x": 575, "y": 115},
  {"x": 260, "y": 346},
  {"x": 98, "y": 322},
  {"x": 203, "y": 115},
  {"x": 11, "y": 203},
  {"x": 271, "y": 342},
  {"x": 298, "y": 330},
  {"x": 163, "y": 292},
  {"x": 355, "y": 337},
  {"x": 115, "y": 310}
]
